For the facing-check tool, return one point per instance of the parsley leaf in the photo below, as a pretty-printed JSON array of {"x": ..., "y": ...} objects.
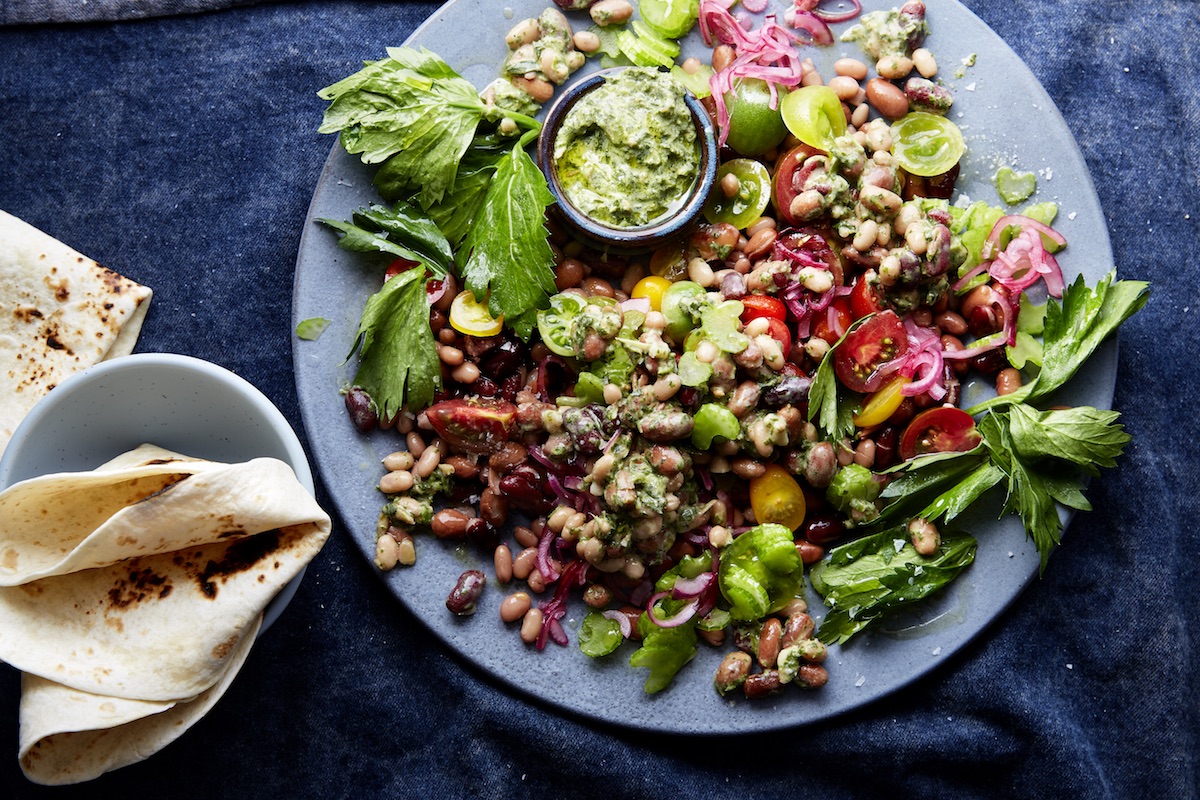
[
  {"x": 412, "y": 108},
  {"x": 398, "y": 364},
  {"x": 832, "y": 412},
  {"x": 1087, "y": 437},
  {"x": 867, "y": 579},
  {"x": 505, "y": 256},
  {"x": 1073, "y": 330},
  {"x": 401, "y": 231}
]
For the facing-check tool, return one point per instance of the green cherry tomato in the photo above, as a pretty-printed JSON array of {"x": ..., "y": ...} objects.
[
  {"x": 554, "y": 323},
  {"x": 814, "y": 116},
  {"x": 754, "y": 126},
  {"x": 679, "y": 320},
  {"x": 750, "y": 201},
  {"x": 926, "y": 144}
]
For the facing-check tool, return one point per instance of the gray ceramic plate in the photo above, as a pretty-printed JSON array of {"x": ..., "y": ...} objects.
[{"x": 1006, "y": 117}]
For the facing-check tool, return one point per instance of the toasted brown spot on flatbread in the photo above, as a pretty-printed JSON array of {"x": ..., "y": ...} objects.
[
  {"x": 241, "y": 556},
  {"x": 28, "y": 313},
  {"x": 222, "y": 650},
  {"x": 140, "y": 584},
  {"x": 10, "y": 558}
]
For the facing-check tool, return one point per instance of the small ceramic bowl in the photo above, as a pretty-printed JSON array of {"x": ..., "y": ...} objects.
[
  {"x": 636, "y": 239},
  {"x": 177, "y": 402}
]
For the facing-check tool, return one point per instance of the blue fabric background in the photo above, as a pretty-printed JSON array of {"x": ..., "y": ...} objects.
[{"x": 183, "y": 150}]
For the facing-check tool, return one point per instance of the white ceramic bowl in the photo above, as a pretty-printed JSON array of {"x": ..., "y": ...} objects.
[{"x": 177, "y": 402}]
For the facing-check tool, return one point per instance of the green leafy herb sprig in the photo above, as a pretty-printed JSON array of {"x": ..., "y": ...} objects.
[{"x": 466, "y": 200}]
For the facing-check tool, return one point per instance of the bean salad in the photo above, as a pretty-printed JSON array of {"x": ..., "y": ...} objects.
[{"x": 685, "y": 434}]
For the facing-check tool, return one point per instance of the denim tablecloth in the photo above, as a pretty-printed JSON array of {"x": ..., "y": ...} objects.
[{"x": 183, "y": 150}]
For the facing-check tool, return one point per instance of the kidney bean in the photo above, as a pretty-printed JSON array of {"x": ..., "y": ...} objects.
[
  {"x": 810, "y": 553},
  {"x": 811, "y": 676},
  {"x": 761, "y": 684},
  {"x": 482, "y": 533},
  {"x": 887, "y": 440},
  {"x": 797, "y": 628},
  {"x": 523, "y": 486},
  {"x": 732, "y": 672},
  {"x": 822, "y": 528},
  {"x": 493, "y": 507},
  {"x": 362, "y": 412},
  {"x": 768, "y": 642},
  {"x": 449, "y": 523},
  {"x": 466, "y": 592}
]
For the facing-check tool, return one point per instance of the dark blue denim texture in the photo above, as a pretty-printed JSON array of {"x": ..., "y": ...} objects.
[{"x": 183, "y": 151}]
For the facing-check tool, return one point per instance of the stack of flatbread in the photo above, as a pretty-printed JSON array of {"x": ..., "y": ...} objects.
[
  {"x": 60, "y": 312},
  {"x": 130, "y": 596}
]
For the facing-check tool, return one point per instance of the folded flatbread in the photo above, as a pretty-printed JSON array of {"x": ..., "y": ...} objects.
[
  {"x": 60, "y": 312},
  {"x": 134, "y": 590}
]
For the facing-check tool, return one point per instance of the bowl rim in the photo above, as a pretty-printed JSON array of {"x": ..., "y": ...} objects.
[
  {"x": 649, "y": 235},
  {"x": 49, "y": 405}
]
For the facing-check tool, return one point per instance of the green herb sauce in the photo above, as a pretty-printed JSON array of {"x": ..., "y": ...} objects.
[{"x": 626, "y": 154}]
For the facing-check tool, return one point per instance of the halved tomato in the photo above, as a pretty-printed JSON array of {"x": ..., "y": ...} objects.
[
  {"x": 810, "y": 246},
  {"x": 778, "y": 331},
  {"x": 842, "y": 320},
  {"x": 783, "y": 184},
  {"x": 762, "y": 305},
  {"x": 864, "y": 297},
  {"x": 939, "y": 430},
  {"x": 477, "y": 425},
  {"x": 875, "y": 342},
  {"x": 776, "y": 497},
  {"x": 879, "y": 406}
]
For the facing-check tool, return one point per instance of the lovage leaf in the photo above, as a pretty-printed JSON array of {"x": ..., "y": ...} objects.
[
  {"x": 506, "y": 256},
  {"x": 398, "y": 364},
  {"x": 410, "y": 108}
]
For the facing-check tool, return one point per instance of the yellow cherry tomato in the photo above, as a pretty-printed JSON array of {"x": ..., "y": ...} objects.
[
  {"x": 776, "y": 497},
  {"x": 469, "y": 316},
  {"x": 880, "y": 405},
  {"x": 652, "y": 288}
]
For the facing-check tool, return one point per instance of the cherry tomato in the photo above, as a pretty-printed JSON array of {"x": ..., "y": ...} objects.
[
  {"x": 469, "y": 316},
  {"x": 864, "y": 297},
  {"x": 939, "y": 430},
  {"x": 842, "y": 315},
  {"x": 814, "y": 115},
  {"x": 475, "y": 425},
  {"x": 755, "y": 126},
  {"x": 926, "y": 144},
  {"x": 776, "y": 497},
  {"x": 868, "y": 347},
  {"x": 751, "y": 198},
  {"x": 762, "y": 305},
  {"x": 784, "y": 185},
  {"x": 879, "y": 406},
  {"x": 813, "y": 243},
  {"x": 779, "y": 332},
  {"x": 397, "y": 266},
  {"x": 652, "y": 288}
]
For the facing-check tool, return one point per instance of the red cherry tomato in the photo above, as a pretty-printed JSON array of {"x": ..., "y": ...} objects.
[
  {"x": 842, "y": 317},
  {"x": 868, "y": 347},
  {"x": 778, "y": 331},
  {"x": 397, "y": 266},
  {"x": 783, "y": 188},
  {"x": 864, "y": 297},
  {"x": 811, "y": 246},
  {"x": 939, "y": 430},
  {"x": 762, "y": 305}
]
